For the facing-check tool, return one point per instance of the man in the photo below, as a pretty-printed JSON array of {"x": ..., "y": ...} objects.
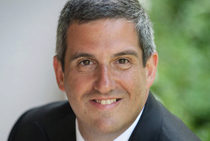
[{"x": 105, "y": 63}]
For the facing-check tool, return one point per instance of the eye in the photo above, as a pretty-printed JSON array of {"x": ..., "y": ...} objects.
[
  {"x": 86, "y": 65},
  {"x": 86, "y": 62},
  {"x": 123, "y": 63}
]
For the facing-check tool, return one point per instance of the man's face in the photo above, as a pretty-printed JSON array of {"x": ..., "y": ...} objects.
[{"x": 104, "y": 78}]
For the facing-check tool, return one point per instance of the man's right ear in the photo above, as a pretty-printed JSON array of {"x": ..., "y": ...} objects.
[{"x": 58, "y": 73}]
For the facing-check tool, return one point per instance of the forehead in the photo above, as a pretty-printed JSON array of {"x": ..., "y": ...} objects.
[{"x": 105, "y": 35}]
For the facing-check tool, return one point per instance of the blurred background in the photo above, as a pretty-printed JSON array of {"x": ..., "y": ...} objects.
[
  {"x": 27, "y": 43},
  {"x": 27, "y": 46},
  {"x": 182, "y": 32}
]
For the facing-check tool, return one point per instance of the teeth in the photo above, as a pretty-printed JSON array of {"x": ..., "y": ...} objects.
[{"x": 105, "y": 102}]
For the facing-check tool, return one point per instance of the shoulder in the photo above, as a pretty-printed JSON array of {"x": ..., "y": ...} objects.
[
  {"x": 173, "y": 129},
  {"x": 51, "y": 111},
  {"x": 42, "y": 123},
  {"x": 158, "y": 124}
]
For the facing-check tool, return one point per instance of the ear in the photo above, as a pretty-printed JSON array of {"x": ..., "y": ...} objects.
[
  {"x": 151, "y": 69},
  {"x": 58, "y": 73}
]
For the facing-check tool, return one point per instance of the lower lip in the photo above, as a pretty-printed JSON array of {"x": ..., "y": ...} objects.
[{"x": 105, "y": 106}]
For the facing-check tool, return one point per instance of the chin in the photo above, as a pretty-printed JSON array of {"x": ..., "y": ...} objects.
[{"x": 109, "y": 126}]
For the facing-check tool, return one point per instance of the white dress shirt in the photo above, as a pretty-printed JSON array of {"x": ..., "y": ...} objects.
[{"x": 123, "y": 137}]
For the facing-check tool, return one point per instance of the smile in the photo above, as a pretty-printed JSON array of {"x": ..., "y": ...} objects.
[{"x": 105, "y": 102}]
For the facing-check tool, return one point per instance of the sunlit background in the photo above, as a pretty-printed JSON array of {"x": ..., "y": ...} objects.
[{"x": 27, "y": 43}]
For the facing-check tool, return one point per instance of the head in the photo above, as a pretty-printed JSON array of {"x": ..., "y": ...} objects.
[{"x": 105, "y": 62}]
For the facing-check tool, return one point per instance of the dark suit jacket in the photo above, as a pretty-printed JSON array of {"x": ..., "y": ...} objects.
[{"x": 56, "y": 122}]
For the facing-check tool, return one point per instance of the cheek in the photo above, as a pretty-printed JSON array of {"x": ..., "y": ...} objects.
[
  {"x": 76, "y": 85},
  {"x": 133, "y": 81}
]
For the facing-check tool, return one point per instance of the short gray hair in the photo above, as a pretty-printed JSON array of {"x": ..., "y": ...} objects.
[{"x": 89, "y": 10}]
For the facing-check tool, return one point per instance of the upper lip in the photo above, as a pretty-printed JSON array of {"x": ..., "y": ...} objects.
[{"x": 106, "y": 98}]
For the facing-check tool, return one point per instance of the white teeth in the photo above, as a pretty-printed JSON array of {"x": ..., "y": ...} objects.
[{"x": 105, "y": 102}]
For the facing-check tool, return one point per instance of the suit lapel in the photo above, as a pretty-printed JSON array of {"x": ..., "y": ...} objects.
[{"x": 148, "y": 127}]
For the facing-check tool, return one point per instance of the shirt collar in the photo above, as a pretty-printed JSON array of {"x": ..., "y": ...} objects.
[
  {"x": 123, "y": 137},
  {"x": 78, "y": 135}
]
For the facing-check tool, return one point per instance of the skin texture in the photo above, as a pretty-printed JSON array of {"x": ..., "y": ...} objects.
[{"x": 104, "y": 61}]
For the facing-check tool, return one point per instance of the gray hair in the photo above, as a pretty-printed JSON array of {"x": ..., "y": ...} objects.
[{"x": 88, "y": 10}]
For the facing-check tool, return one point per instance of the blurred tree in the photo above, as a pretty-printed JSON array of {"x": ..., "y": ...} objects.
[{"x": 182, "y": 31}]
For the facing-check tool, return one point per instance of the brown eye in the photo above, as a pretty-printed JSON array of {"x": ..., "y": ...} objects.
[
  {"x": 86, "y": 65},
  {"x": 123, "y": 63},
  {"x": 86, "y": 62}
]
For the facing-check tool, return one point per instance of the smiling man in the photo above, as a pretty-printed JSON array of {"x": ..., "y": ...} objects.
[{"x": 105, "y": 63}]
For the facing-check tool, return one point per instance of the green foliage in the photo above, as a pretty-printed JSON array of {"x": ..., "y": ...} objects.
[{"x": 182, "y": 31}]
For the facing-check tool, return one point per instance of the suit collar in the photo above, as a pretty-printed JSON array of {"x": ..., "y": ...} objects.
[{"x": 148, "y": 127}]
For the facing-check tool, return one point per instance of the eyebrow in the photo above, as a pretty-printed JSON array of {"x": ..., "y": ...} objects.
[
  {"x": 126, "y": 52},
  {"x": 79, "y": 55}
]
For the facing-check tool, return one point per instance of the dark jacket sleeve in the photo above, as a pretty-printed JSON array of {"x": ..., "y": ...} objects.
[{"x": 27, "y": 130}]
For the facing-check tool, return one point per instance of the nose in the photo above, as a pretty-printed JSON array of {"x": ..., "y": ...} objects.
[{"x": 104, "y": 82}]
